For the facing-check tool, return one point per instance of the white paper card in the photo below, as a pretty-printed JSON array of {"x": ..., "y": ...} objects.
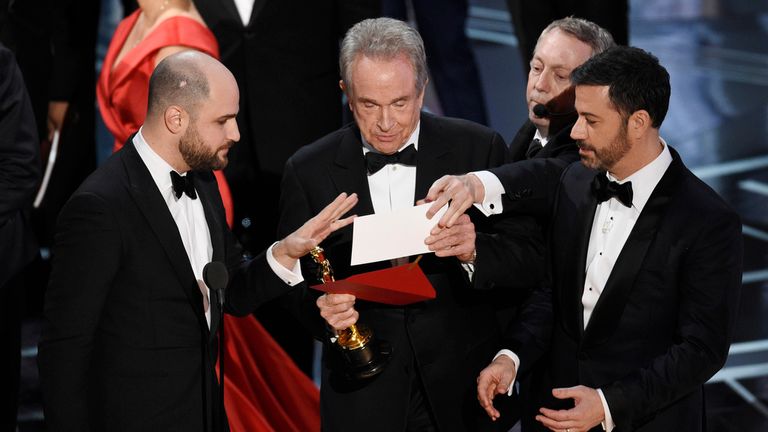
[{"x": 397, "y": 234}]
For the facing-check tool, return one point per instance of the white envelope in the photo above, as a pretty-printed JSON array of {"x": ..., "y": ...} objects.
[{"x": 397, "y": 234}]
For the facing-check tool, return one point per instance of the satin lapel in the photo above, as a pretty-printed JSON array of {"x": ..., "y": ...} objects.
[
  {"x": 433, "y": 159},
  {"x": 144, "y": 192},
  {"x": 209, "y": 196},
  {"x": 348, "y": 171},
  {"x": 519, "y": 144},
  {"x": 258, "y": 5},
  {"x": 618, "y": 288},
  {"x": 231, "y": 8},
  {"x": 577, "y": 200}
]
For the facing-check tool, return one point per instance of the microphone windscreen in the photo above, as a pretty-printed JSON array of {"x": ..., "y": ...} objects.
[
  {"x": 541, "y": 111},
  {"x": 215, "y": 275}
]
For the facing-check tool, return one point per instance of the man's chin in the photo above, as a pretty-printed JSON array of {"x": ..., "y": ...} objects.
[{"x": 589, "y": 161}]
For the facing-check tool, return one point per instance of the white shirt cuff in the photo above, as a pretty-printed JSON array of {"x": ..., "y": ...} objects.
[
  {"x": 515, "y": 360},
  {"x": 607, "y": 424},
  {"x": 491, "y": 205},
  {"x": 469, "y": 268},
  {"x": 290, "y": 276}
]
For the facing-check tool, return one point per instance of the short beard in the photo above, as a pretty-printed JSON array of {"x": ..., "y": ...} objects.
[
  {"x": 196, "y": 154},
  {"x": 606, "y": 159}
]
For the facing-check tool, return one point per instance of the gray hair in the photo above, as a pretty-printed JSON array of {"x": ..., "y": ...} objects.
[
  {"x": 598, "y": 38},
  {"x": 383, "y": 39}
]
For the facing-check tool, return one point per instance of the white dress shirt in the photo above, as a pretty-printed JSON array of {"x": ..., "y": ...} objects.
[
  {"x": 393, "y": 187},
  {"x": 244, "y": 8}
]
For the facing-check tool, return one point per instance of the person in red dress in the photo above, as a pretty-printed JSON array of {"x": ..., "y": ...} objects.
[{"x": 264, "y": 390}]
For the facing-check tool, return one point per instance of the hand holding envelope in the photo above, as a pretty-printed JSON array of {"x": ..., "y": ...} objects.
[
  {"x": 385, "y": 236},
  {"x": 457, "y": 240},
  {"x": 397, "y": 234}
]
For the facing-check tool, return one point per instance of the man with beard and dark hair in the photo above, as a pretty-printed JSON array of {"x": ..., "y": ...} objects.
[
  {"x": 645, "y": 269},
  {"x": 130, "y": 327}
]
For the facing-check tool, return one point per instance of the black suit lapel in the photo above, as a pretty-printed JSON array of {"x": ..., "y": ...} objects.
[
  {"x": 228, "y": 5},
  {"x": 144, "y": 192},
  {"x": 432, "y": 161},
  {"x": 209, "y": 196},
  {"x": 584, "y": 204},
  {"x": 348, "y": 171},
  {"x": 258, "y": 5},
  {"x": 519, "y": 144},
  {"x": 610, "y": 306}
]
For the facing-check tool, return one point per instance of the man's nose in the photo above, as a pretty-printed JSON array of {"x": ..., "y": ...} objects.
[
  {"x": 385, "y": 121},
  {"x": 578, "y": 132}
]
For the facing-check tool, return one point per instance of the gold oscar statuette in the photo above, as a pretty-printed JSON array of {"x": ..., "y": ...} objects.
[{"x": 365, "y": 356}]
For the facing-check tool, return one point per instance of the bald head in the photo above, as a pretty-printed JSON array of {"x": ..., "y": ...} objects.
[
  {"x": 182, "y": 79},
  {"x": 193, "y": 103}
]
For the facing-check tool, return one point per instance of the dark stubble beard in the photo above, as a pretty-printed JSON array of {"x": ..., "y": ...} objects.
[
  {"x": 605, "y": 159},
  {"x": 197, "y": 155}
]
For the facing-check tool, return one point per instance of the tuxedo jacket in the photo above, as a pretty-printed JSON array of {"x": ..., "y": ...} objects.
[
  {"x": 125, "y": 344},
  {"x": 528, "y": 182},
  {"x": 20, "y": 167},
  {"x": 560, "y": 146},
  {"x": 662, "y": 326},
  {"x": 443, "y": 342}
]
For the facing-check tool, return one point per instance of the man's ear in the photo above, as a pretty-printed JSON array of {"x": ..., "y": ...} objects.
[
  {"x": 175, "y": 118},
  {"x": 420, "y": 97},
  {"x": 347, "y": 92},
  {"x": 639, "y": 123}
]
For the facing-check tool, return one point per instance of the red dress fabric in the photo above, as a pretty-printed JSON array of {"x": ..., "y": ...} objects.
[
  {"x": 264, "y": 389},
  {"x": 265, "y": 392},
  {"x": 123, "y": 90}
]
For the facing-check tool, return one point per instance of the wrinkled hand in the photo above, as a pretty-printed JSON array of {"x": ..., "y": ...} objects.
[
  {"x": 338, "y": 310},
  {"x": 457, "y": 240},
  {"x": 494, "y": 380},
  {"x": 57, "y": 111},
  {"x": 300, "y": 242},
  {"x": 461, "y": 191},
  {"x": 587, "y": 413}
]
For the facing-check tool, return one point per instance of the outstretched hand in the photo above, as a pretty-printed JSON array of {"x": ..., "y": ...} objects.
[
  {"x": 300, "y": 242},
  {"x": 461, "y": 191}
]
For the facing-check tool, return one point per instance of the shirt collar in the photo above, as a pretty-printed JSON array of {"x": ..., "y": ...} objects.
[
  {"x": 645, "y": 179},
  {"x": 158, "y": 167},
  {"x": 543, "y": 140},
  {"x": 413, "y": 139}
]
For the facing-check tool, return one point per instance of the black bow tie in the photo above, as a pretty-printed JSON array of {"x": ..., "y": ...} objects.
[
  {"x": 605, "y": 189},
  {"x": 376, "y": 161},
  {"x": 183, "y": 185},
  {"x": 534, "y": 147}
]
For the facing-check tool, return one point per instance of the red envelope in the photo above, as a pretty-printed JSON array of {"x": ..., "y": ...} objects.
[{"x": 401, "y": 285}]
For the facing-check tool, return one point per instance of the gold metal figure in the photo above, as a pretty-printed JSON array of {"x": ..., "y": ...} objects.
[{"x": 356, "y": 342}]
